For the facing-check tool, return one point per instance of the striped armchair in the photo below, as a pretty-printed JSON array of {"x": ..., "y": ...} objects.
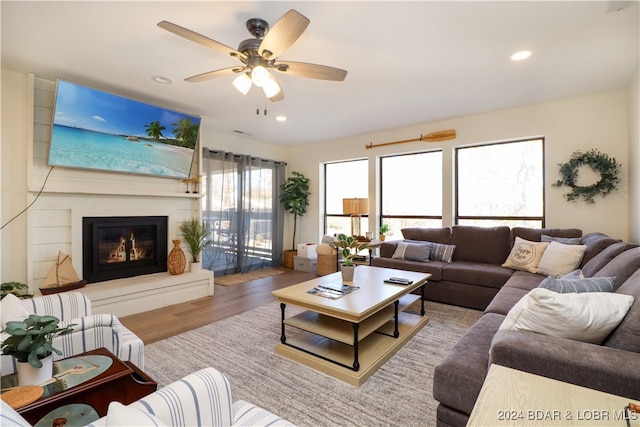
[
  {"x": 202, "y": 398},
  {"x": 91, "y": 331}
]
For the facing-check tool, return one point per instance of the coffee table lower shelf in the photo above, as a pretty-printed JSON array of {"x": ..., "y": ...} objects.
[{"x": 374, "y": 350}]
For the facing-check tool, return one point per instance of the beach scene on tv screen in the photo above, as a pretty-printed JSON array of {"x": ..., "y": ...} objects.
[{"x": 99, "y": 130}]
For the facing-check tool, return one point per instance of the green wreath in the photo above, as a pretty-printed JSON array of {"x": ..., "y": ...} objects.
[{"x": 606, "y": 166}]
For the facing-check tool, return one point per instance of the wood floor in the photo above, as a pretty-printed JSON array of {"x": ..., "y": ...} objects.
[{"x": 155, "y": 325}]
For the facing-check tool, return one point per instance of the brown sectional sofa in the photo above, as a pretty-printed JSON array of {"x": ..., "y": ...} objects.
[{"x": 612, "y": 366}]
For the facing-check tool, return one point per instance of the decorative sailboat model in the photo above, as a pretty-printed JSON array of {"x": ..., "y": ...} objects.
[{"x": 63, "y": 277}]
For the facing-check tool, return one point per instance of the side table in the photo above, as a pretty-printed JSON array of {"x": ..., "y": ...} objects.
[{"x": 82, "y": 388}]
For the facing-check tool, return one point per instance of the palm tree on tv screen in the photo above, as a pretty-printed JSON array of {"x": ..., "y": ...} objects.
[
  {"x": 154, "y": 130},
  {"x": 186, "y": 132}
]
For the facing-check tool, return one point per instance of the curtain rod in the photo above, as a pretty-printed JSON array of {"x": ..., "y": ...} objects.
[{"x": 278, "y": 162}]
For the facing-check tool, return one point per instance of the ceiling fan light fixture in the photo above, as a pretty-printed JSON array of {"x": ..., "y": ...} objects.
[
  {"x": 259, "y": 76},
  {"x": 271, "y": 88},
  {"x": 242, "y": 83}
]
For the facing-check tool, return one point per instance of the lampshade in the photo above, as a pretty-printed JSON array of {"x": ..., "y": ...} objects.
[
  {"x": 259, "y": 76},
  {"x": 242, "y": 83},
  {"x": 271, "y": 87},
  {"x": 355, "y": 206}
]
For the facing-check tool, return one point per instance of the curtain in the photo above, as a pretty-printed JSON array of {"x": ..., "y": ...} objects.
[{"x": 242, "y": 211}]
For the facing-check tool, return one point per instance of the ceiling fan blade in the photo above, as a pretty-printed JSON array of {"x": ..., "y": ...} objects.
[
  {"x": 312, "y": 71},
  {"x": 283, "y": 34},
  {"x": 213, "y": 74},
  {"x": 198, "y": 38}
]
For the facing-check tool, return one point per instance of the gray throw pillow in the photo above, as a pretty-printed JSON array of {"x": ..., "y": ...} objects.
[
  {"x": 588, "y": 284},
  {"x": 439, "y": 251},
  {"x": 412, "y": 251},
  {"x": 565, "y": 240}
]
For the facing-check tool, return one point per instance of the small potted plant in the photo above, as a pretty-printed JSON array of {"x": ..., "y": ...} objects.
[
  {"x": 30, "y": 342},
  {"x": 194, "y": 232},
  {"x": 348, "y": 247},
  {"x": 384, "y": 229},
  {"x": 16, "y": 288}
]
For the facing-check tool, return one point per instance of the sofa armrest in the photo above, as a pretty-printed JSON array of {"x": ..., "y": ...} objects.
[
  {"x": 200, "y": 398},
  {"x": 248, "y": 414},
  {"x": 65, "y": 305},
  {"x": 388, "y": 248},
  {"x": 593, "y": 366}
]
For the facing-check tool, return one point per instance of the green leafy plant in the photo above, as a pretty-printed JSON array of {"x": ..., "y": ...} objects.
[
  {"x": 295, "y": 197},
  {"x": 194, "y": 232},
  {"x": 348, "y": 247},
  {"x": 15, "y": 288},
  {"x": 384, "y": 229},
  {"x": 32, "y": 339}
]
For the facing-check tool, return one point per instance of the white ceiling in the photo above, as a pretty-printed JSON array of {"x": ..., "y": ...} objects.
[{"x": 408, "y": 62}]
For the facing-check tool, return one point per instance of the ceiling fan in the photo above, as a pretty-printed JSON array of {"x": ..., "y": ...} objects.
[{"x": 259, "y": 55}]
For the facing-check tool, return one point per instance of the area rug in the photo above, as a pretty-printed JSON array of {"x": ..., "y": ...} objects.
[
  {"x": 242, "y": 347},
  {"x": 238, "y": 278}
]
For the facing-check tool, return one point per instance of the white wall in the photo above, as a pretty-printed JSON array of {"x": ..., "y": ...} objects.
[
  {"x": 599, "y": 121},
  {"x": 633, "y": 93}
]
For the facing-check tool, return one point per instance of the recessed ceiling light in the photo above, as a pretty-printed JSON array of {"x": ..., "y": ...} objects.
[
  {"x": 281, "y": 118},
  {"x": 519, "y": 56},
  {"x": 161, "y": 79}
]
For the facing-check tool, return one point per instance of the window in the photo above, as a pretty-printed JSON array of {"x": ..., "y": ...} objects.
[
  {"x": 411, "y": 187},
  {"x": 501, "y": 184},
  {"x": 344, "y": 180}
]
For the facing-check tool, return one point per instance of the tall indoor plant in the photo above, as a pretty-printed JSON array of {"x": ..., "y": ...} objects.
[
  {"x": 294, "y": 194},
  {"x": 30, "y": 342},
  {"x": 194, "y": 232}
]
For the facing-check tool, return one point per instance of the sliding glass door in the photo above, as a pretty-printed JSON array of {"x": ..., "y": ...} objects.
[{"x": 242, "y": 211}]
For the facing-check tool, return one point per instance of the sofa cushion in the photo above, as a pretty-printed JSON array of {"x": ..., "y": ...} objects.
[
  {"x": 438, "y": 235},
  {"x": 622, "y": 267},
  {"x": 412, "y": 251},
  {"x": 627, "y": 335},
  {"x": 481, "y": 244},
  {"x": 120, "y": 415},
  {"x": 457, "y": 380},
  {"x": 565, "y": 240},
  {"x": 475, "y": 273},
  {"x": 388, "y": 248},
  {"x": 12, "y": 310},
  {"x": 505, "y": 300},
  {"x": 595, "y": 242},
  {"x": 524, "y": 280},
  {"x": 535, "y": 234},
  {"x": 432, "y": 267},
  {"x": 559, "y": 259},
  {"x": 587, "y": 317},
  {"x": 604, "y": 257},
  {"x": 525, "y": 255},
  {"x": 589, "y": 284}
]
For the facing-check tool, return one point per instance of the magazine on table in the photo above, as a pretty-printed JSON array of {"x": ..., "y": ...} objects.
[{"x": 332, "y": 290}]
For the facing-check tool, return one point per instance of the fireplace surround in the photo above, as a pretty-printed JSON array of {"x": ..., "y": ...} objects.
[{"x": 119, "y": 247}]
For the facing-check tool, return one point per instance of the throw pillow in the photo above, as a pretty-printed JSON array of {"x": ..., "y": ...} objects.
[
  {"x": 589, "y": 284},
  {"x": 565, "y": 240},
  {"x": 525, "y": 255},
  {"x": 412, "y": 251},
  {"x": 121, "y": 415},
  {"x": 575, "y": 274},
  {"x": 559, "y": 259},
  {"x": 12, "y": 310},
  {"x": 438, "y": 251},
  {"x": 587, "y": 317}
]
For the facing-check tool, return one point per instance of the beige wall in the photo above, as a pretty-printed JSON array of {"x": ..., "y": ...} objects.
[
  {"x": 599, "y": 121},
  {"x": 607, "y": 121}
]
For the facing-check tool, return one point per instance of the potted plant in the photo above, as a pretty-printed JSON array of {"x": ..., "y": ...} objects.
[
  {"x": 30, "y": 342},
  {"x": 295, "y": 197},
  {"x": 15, "y": 288},
  {"x": 384, "y": 229},
  {"x": 348, "y": 247},
  {"x": 194, "y": 232}
]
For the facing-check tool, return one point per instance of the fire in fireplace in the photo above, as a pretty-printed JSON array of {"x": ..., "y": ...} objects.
[{"x": 118, "y": 247}]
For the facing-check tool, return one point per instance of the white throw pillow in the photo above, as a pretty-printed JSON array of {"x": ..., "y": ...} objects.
[
  {"x": 587, "y": 317},
  {"x": 525, "y": 255},
  {"x": 12, "y": 310},
  {"x": 559, "y": 259},
  {"x": 119, "y": 415}
]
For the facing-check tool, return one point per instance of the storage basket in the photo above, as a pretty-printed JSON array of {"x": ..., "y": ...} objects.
[{"x": 326, "y": 264}]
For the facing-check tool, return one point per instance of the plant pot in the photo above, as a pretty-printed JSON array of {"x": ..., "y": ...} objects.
[
  {"x": 28, "y": 375},
  {"x": 382, "y": 236},
  {"x": 287, "y": 258},
  {"x": 194, "y": 267},
  {"x": 347, "y": 273}
]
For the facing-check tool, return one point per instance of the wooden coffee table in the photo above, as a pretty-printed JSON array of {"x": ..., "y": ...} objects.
[
  {"x": 350, "y": 337},
  {"x": 82, "y": 388}
]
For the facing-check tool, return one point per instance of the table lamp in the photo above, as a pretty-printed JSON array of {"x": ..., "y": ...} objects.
[{"x": 355, "y": 207}]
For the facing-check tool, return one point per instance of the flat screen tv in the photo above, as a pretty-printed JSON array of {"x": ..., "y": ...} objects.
[{"x": 98, "y": 130}]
